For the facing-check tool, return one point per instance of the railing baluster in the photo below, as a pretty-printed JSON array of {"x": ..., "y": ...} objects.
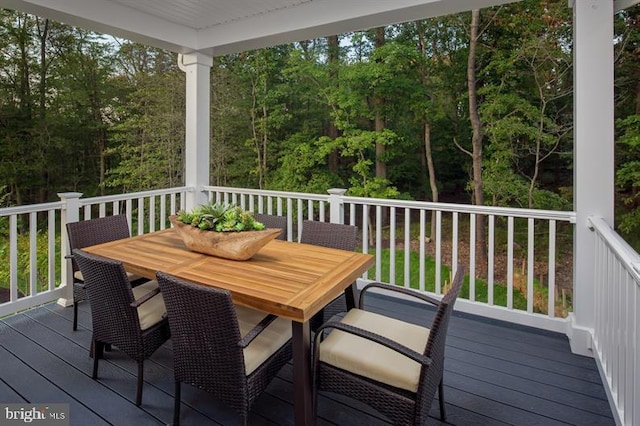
[
  {"x": 33, "y": 253},
  {"x": 365, "y": 232},
  {"x": 510, "y": 262},
  {"x": 472, "y": 256},
  {"x": 530, "y": 264},
  {"x": 634, "y": 395},
  {"x": 378, "y": 243},
  {"x": 491, "y": 259},
  {"x": 152, "y": 213},
  {"x": 129, "y": 213},
  {"x": 352, "y": 215},
  {"x": 407, "y": 247},
  {"x": 51, "y": 249},
  {"x": 13, "y": 257},
  {"x": 454, "y": 242},
  {"x": 310, "y": 210},
  {"x": 421, "y": 262},
  {"x": 551, "y": 278},
  {"x": 392, "y": 245},
  {"x": 289, "y": 219},
  {"x": 163, "y": 212},
  {"x": 252, "y": 203},
  {"x": 140, "y": 216},
  {"x": 438, "y": 259}
]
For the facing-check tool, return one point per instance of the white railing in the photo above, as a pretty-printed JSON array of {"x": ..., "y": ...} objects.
[
  {"x": 616, "y": 334},
  {"x": 36, "y": 270},
  {"x": 150, "y": 209},
  {"x": 397, "y": 231},
  {"x": 29, "y": 275}
]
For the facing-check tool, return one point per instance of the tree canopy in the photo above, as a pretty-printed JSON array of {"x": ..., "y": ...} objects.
[{"x": 436, "y": 109}]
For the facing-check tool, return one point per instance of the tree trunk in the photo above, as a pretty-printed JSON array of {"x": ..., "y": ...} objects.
[
  {"x": 43, "y": 33},
  {"x": 424, "y": 78},
  {"x": 432, "y": 174},
  {"x": 333, "y": 55},
  {"x": 265, "y": 136},
  {"x": 379, "y": 122},
  {"x": 476, "y": 140}
]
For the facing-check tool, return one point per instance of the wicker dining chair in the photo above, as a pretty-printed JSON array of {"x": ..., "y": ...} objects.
[
  {"x": 232, "y": 352},
  {"x": 131, "y": 319},
  {"x": 88, "y": 233},
  {"x": 391, "y": 365},
  {"x": 332, "y": 235},
  {"x": 273, "y": 221}
]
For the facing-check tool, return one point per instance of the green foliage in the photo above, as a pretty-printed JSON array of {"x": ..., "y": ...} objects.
[
  {"x": 220, "y": 218},
  {"x": 303, "y": 166},
  {"x": 628, "y": 175},
  {"x": 481, "y": 287},
  {"x": 24, "y": 262}
]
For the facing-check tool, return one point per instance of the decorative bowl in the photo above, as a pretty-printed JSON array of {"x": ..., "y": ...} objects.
[{"x": 228, "y": 245}]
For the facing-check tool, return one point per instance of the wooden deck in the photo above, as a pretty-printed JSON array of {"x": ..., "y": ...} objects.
[{"x": 496, "y": 374}]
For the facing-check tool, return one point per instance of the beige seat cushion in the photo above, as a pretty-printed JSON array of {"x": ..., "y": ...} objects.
[
  {"x": 372, "y": 360},
  {"x": 132, "y": 277},
  {"x": 151, "y": 311},
  {"x": 267, "y": 342}
]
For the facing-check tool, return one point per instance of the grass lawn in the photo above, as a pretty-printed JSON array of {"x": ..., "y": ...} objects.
[{"x": 481, "y": 286}]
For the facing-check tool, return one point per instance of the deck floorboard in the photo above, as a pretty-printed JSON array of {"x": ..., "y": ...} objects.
[{"x": 495, "y": 374}]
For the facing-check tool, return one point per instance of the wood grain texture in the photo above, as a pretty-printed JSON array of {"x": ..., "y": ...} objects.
[{"x": 288, "y": 279}]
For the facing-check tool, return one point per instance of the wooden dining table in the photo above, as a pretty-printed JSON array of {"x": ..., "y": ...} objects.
[{"x": 288, "y": 279}]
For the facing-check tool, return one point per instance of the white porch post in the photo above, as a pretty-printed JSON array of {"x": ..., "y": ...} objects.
[
  {"x": 70, "y": 213},
  {"x": 593, "y": 153},
  {"x": 336, "y": 207},
  {"x": 197, "y": 68}
]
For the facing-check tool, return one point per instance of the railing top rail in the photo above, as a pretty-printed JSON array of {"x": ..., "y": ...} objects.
[
  {"x": 623, "y": 251},
  {"x": 131, "y": 195},
  {"x": 567, "y": 216},
  {"x": 31, "y": 208},
  {"x": 266, "y": 192}
]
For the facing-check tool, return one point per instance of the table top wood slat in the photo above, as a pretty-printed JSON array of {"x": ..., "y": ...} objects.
[{"x": 288, "y": 279}]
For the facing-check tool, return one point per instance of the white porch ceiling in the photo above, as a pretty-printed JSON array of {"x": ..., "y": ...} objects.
[{"x": 218, "y": 27}]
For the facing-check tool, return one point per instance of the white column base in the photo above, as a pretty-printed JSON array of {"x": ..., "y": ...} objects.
[
  {"x": 65, "y": 303},
  {"x": 580, "y": 338}
]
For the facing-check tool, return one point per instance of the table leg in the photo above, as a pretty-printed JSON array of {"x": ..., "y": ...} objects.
[
  {"x": 350, "y": 296},
  {"x": 302, "y": 381}
]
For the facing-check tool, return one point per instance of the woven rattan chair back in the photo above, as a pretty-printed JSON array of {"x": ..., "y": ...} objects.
[
  {"x": 431, "y": 377},
  {"x": 114, "y": 315},
  {"x": 332, "y": 235},
  {"x": 206, "y": 350},
  {"x": 96, "y": 231},
  {"x": 88, "y": 233},
  {"x": 273, "y": 221},
  {"x": 401, "y": 406}
]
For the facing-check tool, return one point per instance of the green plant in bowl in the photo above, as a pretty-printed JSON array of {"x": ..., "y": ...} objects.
[{"x": 220, "y": 218}]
